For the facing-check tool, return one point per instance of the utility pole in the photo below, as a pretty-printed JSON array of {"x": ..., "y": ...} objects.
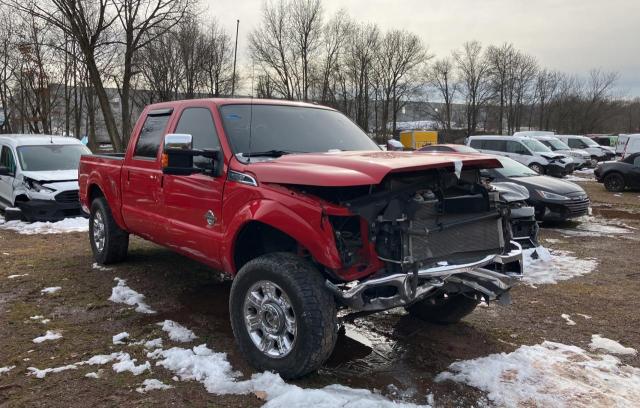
[{"x": 235, "y": 55}]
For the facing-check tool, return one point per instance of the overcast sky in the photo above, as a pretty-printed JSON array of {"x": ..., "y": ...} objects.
[{"x": 567, "y": 35}]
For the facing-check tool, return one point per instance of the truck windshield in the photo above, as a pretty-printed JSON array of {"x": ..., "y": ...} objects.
[
  {"x": 51, "y": 157},
  {"x": 589, "y": 142},
  {"x": 282, "y": 129}
]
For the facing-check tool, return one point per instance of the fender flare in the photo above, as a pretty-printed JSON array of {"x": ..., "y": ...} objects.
[
  {"x": 314, "y": 235},
  {"x": 110, "y": 192}
]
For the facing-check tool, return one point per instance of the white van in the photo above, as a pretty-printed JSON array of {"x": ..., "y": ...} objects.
[
  {"x": 39, "y": 176},
  {"x": 525, "y": 150},
  {"x": 597, "y": 152},
  {"x": 631, "y": 145}
]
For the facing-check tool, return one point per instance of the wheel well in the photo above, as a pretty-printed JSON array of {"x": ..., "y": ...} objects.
[
  {"x": 257, "y": 239},
  {"x": 94, "y": 192},
  {"x": 612, "y": 172},
  {"x": 21, "y": 198}
]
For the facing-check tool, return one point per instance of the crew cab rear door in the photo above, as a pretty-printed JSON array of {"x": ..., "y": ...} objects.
[
  {"x": 193, "y": 203},
  {"x": 142, "y": 177}
]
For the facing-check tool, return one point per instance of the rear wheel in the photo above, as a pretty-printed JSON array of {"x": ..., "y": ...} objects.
[
  {"x": 283, "y": 317},
  {"x": 614, "y": 182},
  {"x": 109, "y": 242},
  {"x": 537, "y": 168},
  {"x": 443, "y": 310}
]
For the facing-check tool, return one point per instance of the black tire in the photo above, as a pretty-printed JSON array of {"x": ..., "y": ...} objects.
[
  {"x": 443, "y": 310},
  {"x": 116, "y": 240},
  {"x": 614, "y": 182},
  {"x": 538, "y": 168},
  {"x": 312, "y": 306}
]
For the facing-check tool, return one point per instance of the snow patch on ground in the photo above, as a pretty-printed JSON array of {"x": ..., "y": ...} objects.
[
  {"x": 567, "y": 318},
  {"x": 542, "y": 266},
  {"x": 117, "y": 339},
  {"x": 6, "y": 369},
  {"x": 121, "y": 293},
  {"x": 550, "y": 375},
  {"x": 93, "y": 374},
  {"x": 153, "y": 344},
  {"x": 214, "y": 371},
  {"x": 17, "y": 276},
  {"x": 126, "y": 363},
  {"x": 590, "y": 226},
  {"x": 52, "y": 289},
  {"x": 602, "y": 343},
  {"x": 177, "y": 332},
  {"x": 152, "y": 384},
  {"x": 77, "y": 224},
  {"x": 49, "y": 335},
  {"x": 43, "y": 373},
  {"x": 99, "y": 267}
]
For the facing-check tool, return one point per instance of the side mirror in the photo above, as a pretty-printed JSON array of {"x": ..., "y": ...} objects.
[
  {"x": 4, "y": 171},
  {"x": 178, "y": 154}
]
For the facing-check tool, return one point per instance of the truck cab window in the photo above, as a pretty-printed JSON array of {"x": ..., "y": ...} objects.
[
  {"x": 7, "y": 160},
  {"x": 151, "y": 136},
  {"x": 198, "y": 123}
]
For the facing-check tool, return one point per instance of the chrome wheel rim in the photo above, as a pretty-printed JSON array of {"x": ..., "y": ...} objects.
[
  {"x": 98, "y": 230},
  {"x": 269, "y": 319}
]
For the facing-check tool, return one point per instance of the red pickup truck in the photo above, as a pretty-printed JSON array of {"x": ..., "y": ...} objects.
[{"x": 309, "y": 217}]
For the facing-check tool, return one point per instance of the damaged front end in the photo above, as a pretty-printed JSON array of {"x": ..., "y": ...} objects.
[{"x": 424, "y": 234}]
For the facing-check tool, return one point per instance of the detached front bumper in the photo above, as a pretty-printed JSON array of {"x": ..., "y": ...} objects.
[{"x": 492, "y": 276}]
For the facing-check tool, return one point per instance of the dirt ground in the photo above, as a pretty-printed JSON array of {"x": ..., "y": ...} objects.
[{"x": 389, "y": 352}]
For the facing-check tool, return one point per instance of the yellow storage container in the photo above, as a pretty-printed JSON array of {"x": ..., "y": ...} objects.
[{"x": 415, "y": 139}]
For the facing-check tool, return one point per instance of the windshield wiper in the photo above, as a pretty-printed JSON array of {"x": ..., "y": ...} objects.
[{"x": 270, "y": 153}]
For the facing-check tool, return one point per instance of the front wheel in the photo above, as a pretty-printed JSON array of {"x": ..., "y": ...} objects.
[
  {"x": 537, "y": 168},
  {"x": 443, "y": 309},
  {"x": 614, "y": 182},
  {"x": 283, "y": 317},
  {"x": 109, "y": 242}
]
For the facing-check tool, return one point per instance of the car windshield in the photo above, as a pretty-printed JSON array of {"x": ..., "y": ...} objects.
[
  {"x": 51, "y": 157},
  {"x": 555, "y": 144},
  {"x": 511, "y": 168},
  {"x": 535, "y": 146},
  {"x": 589, "y": 142},
  {"x": 281, "y": 129}
]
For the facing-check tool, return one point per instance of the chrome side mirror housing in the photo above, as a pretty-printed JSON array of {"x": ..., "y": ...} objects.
[
  {"x": 178, "y": 154},
  {"x": 178, "y": 141}
]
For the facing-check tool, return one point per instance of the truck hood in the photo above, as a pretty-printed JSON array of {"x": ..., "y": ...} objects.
[
  {"x": 343, "y": 169},
  {"x": 50, "y": 176}
]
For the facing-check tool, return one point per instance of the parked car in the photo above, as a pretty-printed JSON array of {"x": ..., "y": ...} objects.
[
  {"x": 597, "y": 152},
  {"x": 621, "y": 174},
  {"x": 580, "y": 157},
  {"x": 448, "y": 148},
  {"x": 553, "y": 199},
  {"x": 39, "y": 176},
  {"x": 308, "y": 216},
  {"x": 525, "y": 150},
  {"x": 605, "y": 140},
  {"x": 630, "y": 145}
]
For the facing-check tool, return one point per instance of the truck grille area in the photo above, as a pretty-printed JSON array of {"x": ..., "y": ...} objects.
[
  {"x": 464, "y": 235},
  {"x": 67, "y": 197}
]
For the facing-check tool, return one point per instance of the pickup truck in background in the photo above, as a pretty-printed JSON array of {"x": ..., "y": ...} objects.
[{"x": 308, "y": 216}]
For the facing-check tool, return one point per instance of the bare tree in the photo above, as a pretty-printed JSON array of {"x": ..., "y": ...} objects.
[
  {"x": 306, "y": 31},
  {"x": 473, "y": 73},
  {"x": 217, "y": 61},
  {"x": 442, "y": 78},
  {"x": 89, "y": 24},
  {"x": 270, "y": 46},
  {"x": 141, "y": 21},
  {"x": 399, "y": 55}
]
